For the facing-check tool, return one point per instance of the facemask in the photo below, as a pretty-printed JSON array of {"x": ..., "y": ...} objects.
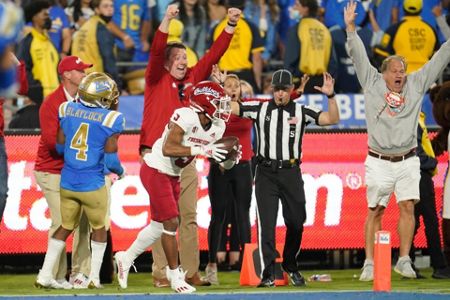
[
  {"x": 107, "y": 19},
  {"x": 48, "y": 24}
]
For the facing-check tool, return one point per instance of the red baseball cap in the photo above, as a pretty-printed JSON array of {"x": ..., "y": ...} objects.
[{"x": 70, "y": 63}]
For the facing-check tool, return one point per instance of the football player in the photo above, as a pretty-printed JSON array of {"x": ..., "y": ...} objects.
[
  {"x": 87, "y": 138},
  {"x": 190, "y": 132}
]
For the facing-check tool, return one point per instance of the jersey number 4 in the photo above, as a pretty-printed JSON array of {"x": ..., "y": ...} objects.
[{"x": 79, "y": 142}]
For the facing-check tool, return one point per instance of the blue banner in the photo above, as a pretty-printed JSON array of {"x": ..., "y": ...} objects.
[{"x": 351, "y": 107}]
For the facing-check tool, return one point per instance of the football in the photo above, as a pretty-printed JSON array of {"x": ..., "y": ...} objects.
[{"x": 231, "y": 144}]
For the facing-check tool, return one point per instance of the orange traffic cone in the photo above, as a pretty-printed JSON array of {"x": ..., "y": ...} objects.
[{"x": 251, "y": 267}]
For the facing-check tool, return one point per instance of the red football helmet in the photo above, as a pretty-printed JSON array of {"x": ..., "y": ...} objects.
[{"x": 210, "y": 98}]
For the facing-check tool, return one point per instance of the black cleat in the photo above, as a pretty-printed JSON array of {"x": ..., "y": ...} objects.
[
  {"x": 266, "y": 282},
  {"x": 296, "y": 277},
  {"x": 443, "y": 273}
]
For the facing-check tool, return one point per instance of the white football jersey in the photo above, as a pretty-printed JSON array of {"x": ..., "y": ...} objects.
[{"x": 194, "y": 135}]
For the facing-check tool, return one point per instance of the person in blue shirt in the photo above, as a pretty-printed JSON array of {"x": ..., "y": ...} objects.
[
  {"x": 60, "y": 33},
  {"x": 267, "y": 24},
  {"x": 133, "y": 18},
  {"x": 333, "y": 13},
  {"x": 87, "y": 138}
]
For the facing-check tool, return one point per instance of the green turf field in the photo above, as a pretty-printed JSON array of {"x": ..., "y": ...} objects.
[{"x": 343, "y": 280}]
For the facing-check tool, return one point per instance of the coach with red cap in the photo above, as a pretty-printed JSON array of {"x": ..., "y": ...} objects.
[{"x": 47, "y": 169}]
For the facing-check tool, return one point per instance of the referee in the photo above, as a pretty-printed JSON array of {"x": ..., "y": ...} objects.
[{"x": 280, "y": 124}]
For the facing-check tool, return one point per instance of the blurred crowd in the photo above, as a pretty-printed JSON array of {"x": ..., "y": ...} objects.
[{"x": 303, "y": 36}]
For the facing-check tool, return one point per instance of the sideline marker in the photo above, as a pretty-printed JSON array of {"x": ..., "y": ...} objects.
[
  {"x": 382, "y": 262},
  {"x": 251, "y": 267}
]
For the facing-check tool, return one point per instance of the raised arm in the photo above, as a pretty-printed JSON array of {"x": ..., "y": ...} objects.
[
  {"x": 364, "y": 70},
  {"x": 331, "y": 116}
]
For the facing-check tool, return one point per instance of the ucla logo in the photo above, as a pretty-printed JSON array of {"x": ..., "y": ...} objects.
[{"x": 101, "y": 86}]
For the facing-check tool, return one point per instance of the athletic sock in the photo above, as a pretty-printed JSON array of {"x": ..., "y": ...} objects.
[
  {"x": 55, "y": 247},
  {"x": 146, "y": 237},
  {"x": 98, "y": 250}
]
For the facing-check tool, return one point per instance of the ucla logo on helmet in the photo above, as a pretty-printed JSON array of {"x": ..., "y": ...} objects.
[{"x": 101, "y": 86}]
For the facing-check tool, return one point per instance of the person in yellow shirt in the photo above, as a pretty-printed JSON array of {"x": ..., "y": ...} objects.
[
  {"x": 412, "y": 38},
  {"x": 243, "y": 56},
  {"x": 309, "y": 47},
  {"x": 38, "y": 52}
]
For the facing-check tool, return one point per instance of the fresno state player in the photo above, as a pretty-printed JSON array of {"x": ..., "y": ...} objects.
[{"x": 191, "y": 131}]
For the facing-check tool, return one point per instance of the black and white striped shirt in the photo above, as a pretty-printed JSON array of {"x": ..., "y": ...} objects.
[{"x": 279, "y": 129}]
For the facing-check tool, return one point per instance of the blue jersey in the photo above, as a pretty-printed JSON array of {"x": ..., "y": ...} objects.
[
  {"x": 59, "y": 22},
  {"x": 86, "y": 130},
  {"x": 129, "y": 15}
]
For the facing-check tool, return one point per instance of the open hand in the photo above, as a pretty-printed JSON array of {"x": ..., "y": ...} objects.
[
  {"x": 218, "y": 76},
  {"x": 350, "y": 15},
  {"x": 328, "y": 85}
]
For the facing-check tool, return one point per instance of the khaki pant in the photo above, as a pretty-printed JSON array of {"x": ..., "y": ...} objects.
[
  {"x": 81, "y": 255},
  {"x": 187, "y": 232}
]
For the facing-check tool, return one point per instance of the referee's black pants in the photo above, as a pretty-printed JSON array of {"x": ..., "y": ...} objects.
[
  {"x": 226, "y": 187},
  {"x": 426, "y": 208},
  {"x": 272, "y": 185}
]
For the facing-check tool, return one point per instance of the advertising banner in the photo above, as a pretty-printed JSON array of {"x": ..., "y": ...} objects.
[{"x": 333, "y": 173}]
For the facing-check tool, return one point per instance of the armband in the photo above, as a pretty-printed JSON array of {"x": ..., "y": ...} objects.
[
  {"x": 332, "y": 95},
  {"x": 59, "y": 148},
  {"x": 112, "y": 163},
  {"x": 196, "y": 150}
]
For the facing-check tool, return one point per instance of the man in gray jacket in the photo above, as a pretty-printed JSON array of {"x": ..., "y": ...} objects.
[{"x": 393, "y": 102}]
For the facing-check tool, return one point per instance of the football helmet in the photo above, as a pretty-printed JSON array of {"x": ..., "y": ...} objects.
[
  {"x": 98, "y": 90},
  {"x": 209, "y": 97}
]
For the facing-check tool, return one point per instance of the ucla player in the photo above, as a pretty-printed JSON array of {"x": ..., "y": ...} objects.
[
  {"x": 87, "y": 138},
  {"x": 191, "y": 131}
]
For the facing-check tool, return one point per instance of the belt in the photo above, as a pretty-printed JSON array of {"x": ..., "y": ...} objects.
[
  {"x": 278, "y": 164},
  {"x": 393, "y": 158}
]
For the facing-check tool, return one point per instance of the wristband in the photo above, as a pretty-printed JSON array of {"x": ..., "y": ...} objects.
[
  {"x": 231, "y": 24},
  {"x": 196, "y": 150},
  {"x": 332, "y": 95}
]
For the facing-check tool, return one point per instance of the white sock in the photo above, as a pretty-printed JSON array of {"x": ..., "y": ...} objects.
[
  {"x": 368, "y": 261},
  {"x": 54, "y": 249},
  {"x": 406, "y": 257},
  {"x": 98, "y": 250},
  {"x": 146, "y": 237}
]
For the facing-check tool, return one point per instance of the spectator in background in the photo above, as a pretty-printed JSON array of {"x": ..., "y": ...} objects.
[
  {"x": 427, "y": 205},
  {"x": 216, "y": 12},
  {"x": 243, "y": 57},
  {"x": 176, "y": 29},
  {"x": 426, "y": 14},
  {"x": 194, "y": 18},
  {"x": 411, "y": 38},
  {"x": 38, "y": 52},
  {"x": 309, "y": 47},
  {"x": 47, "y": 171},
  {"x": 289, "y": 16},
  {"x": 60, "y": 32},
  {"x": 79, "y": 12},
  {"x": 266, "y": 16},
  {"x": 93, "y": 42},
  {"x": 133, "y": 18},
  {"x": 332, "y": 16},
  {"x": 382, "y": 14},
  {"x": 27, "y": 117},
  {"x": 230, "y": 187},
  {"x": 346, "y": 81}
]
